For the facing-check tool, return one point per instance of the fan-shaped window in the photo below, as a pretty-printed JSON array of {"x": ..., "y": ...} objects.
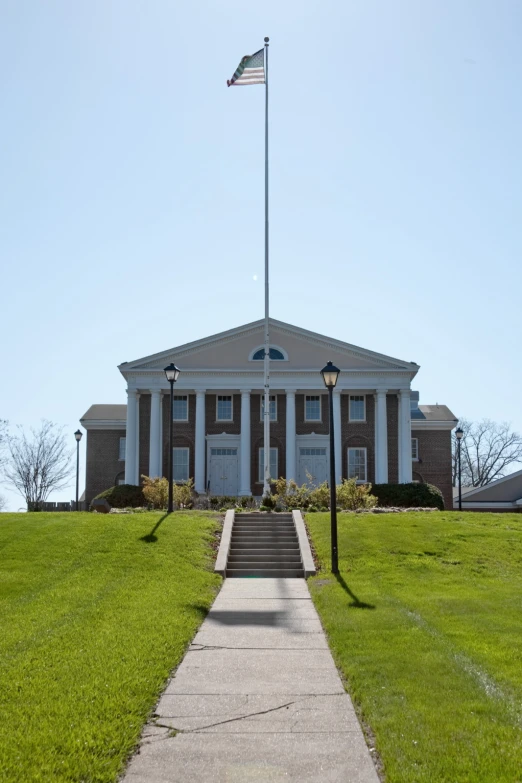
[{"x": 275, "y": 354}]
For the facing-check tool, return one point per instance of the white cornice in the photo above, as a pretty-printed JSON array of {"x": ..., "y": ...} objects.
[
  {"x": 104, "y": 424},
  {"x": 416, "y": 424}
]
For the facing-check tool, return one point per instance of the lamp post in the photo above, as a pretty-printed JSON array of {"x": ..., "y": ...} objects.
[
  {"x": 459, "y": 432},
  {"x": 172, "y": 373},
  {"x": 78, "y": 436},
  {"x": 330, "y": 374}
]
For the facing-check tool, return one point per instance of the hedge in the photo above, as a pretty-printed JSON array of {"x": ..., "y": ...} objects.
[
  {"x": 408, "y": 495},
  {"x": 124, "y": 496}
]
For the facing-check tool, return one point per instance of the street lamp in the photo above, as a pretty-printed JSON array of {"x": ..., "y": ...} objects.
[
  {"x": 330, "y": 374},
  {"x": 172, "y": 373},
  {"x": 459, "y": 432},
  {"x": 78, "y": 436}
]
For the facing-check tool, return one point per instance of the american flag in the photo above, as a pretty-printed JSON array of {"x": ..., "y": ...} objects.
[{"x": 251, "y": 70}]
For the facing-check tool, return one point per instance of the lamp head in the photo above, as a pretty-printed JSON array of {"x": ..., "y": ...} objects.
[
  {"x": 459, "y": 432},
  {"x": 78, "y": 435},
  {"x": 330, "y": 374},
  {"x": 172, "y": 372}
]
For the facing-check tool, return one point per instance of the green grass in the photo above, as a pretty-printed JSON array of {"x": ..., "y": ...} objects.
[
  {"x": 96, "y": 610},
  {"x": 425, "y": 623}
]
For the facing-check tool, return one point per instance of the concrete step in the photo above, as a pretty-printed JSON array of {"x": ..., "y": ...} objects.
[
  {"x": 259, "y": 550},
  {"x": 263, "y": 517},
  {"x": 259, "y": 573},
  {"x": 264, "y": 544},
  {"x": 272, "y": 558}
]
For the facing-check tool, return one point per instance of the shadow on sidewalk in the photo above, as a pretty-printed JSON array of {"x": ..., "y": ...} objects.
[
  {"x": 355, "y": 604},
  {"x": 150, "y": 538}
]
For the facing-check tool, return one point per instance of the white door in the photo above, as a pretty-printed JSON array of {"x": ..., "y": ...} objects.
[
  {"x": 313, "y": 462},
  {"x": 224, "y": 473}
]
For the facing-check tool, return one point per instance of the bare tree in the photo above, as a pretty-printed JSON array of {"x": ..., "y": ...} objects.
[
  {"x": 3, "y": 442},
  {"x": 3, "y": 503},
  {"x": 488, "y": 450},
  {"x": 38, "y": 464}
]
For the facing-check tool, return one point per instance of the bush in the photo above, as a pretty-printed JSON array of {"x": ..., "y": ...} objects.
[
  {"x": 123, "y": 496},
  {"x": 156, "y": 491},
  {"x": 352, "y": 496},
  {"x": 223, "y": 501},
  {"x": 183, "y": 494},
  {"x": 409, "y": 495}
]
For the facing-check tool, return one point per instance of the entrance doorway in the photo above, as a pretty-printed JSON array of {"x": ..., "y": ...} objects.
[
  {"x": 224, "y": 471},
  {"x": 313, "y": 461}
]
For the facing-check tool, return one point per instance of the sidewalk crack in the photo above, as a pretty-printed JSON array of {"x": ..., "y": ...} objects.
[{"x": 229, "y": 720}]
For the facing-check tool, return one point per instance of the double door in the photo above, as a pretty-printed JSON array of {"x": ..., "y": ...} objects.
[
  {"x": 313, "y": 465},
  {"x": 224, "y": 471}
]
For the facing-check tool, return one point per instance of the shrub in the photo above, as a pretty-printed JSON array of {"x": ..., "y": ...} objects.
[
  {"x": 409, "y": 495},
  {"x": 183, "y": 494},
  {"x": 352, "y": 496},
  {"x": 320, "y": 496},
  {"x": 123, "y": 496},
  {"x": 223, "y": 502},
  {"x": 156, "y": 491}
]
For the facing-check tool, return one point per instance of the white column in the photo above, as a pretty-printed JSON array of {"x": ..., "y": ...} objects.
[
  {"x": 381, "y": 437},
  {"x": 199, "y": 456},
  {"x": 291, "y": 472},
  {"x": 131, "y": 437},
  {"x": 155, "y": 404},
  {"x": 405, "y": 474},
  {"x": 160, "y": 437},
  {"x": 244, "y": 472},
  {"x": 338, "y": 445},
  {"x": 137, "y": 470}
]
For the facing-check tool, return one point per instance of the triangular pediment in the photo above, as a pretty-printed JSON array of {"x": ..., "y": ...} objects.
[{"x": 302, "y": 350}]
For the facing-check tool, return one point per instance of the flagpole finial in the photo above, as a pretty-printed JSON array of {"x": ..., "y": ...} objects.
[{"x": 266, "y": 39}]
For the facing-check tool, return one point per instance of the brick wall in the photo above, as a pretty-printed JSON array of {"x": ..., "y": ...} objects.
[
  {"x": 358, "y": 433},
  {"x": 303, "y": 427},
  {"x": 392, "y": 405},
  {"x": 277, "y": 439},
  {"x": 102, "y": 464},
  {"x": 434, "y": 465},
  {"x": 183, "y": 433}
]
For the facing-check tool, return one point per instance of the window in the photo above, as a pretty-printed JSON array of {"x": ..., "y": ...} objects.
[
  {"x": 312, "y": 452},
  {"x": 273, "y": 407},
  {"x": 122, "y": 449},
  {"x": 357, "y": 464},
  {"x": 220, "y": 452},
  {"x": 180, "y": 464},
  {"x": 357, "y": 408},
  {"x": 275, "y": 355},
  {"x": 121, "y": 481},
  {"x": 224, "y": 408},
  {"x": 273, "y": 464},
  {"x": 312, "y": 408},
  {"x": 180, "y": 407},
  {"x": 415, "y": 449}
]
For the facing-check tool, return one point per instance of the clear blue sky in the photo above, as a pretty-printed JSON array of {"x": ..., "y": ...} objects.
[{"x": 132, "y": 189}]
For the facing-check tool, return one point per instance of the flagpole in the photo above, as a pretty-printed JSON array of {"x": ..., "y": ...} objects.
[{"x": 266, "y": 439}]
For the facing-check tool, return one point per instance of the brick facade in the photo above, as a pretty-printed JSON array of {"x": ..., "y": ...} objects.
[
  {"x": 434, "y": 464},
  {"x": 103, "y": 466}
]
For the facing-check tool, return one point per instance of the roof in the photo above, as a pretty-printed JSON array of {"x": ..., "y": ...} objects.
[
  {"x": 105, "y": 417},
  {"x": 433, "y": 413},
  {"x": 503, "y": 490}
]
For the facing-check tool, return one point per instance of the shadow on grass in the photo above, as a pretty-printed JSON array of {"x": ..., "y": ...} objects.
[
  {"x": 355, "y": 603},
  {"x": 150, "y": 538}
]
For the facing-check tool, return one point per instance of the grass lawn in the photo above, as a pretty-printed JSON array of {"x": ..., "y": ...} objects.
[
  {"x": 425, "y": 623},
  {"x": 96, "y": 610}
]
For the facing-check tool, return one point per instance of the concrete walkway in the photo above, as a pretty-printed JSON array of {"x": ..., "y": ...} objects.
[{"x": 256, "y": 698}]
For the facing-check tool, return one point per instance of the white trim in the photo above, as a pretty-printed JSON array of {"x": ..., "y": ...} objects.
[
  {"x": 422, "y": 424},
  {"x": 120, "y": 458},
  {"x": 231, "y": 406},
  {"x": 319, "y": 420},
  {"x": 356, "y": 421},
  {"x": 416, "y": 457},
  {"x": 262, "y": 347},
  {"x": 358, "y": 448},
  {"x": 486, "y": 505},
  {"x": 186, "y": 396},
  {"x": 104, "y": 424}
]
